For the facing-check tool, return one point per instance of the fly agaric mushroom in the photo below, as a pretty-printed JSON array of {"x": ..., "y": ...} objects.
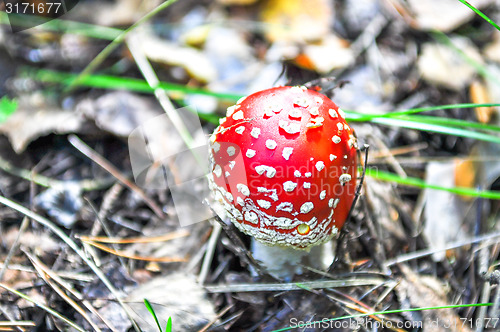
[{"x": 284, "y": 169}]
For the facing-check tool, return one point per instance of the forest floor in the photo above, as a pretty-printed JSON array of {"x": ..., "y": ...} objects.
[{"x": 85, "y": 236}]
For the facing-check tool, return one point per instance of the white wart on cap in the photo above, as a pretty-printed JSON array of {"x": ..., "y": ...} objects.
[{"x": 275, "y": 167}]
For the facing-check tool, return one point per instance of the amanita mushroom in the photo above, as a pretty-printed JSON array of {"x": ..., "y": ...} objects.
[{"x": 284, "y": 169}]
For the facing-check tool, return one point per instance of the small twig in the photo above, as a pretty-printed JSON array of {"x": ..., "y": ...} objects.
[
  {"x": 121, "y": 253},
  {"x": 369, "y": 34},
  {"x": 485, "y": 295},
  {"x": 241, "y": 251},
  {"x": 17, "y": 324},
  {"x": 85, "y": 185},
  {"x": 233, "y": 317},
  {"x": 56, "y": 230},
  {"x": 389, "y": 157},
  {"x": 360, "y": 307},
  {"x": 361, "y": 179},
  {"x": 110, "y": 196},
  {"x": 44, "y": 307},
  {"x": 209, "y": 254},
  {"x": 452, "y": 245},
  {"x": 495, "y": 310},
  {"x": 42, "y": 273},
  {"x": 10, "y": 318},
  {"x": 377, "y": 233},
  {"x": 120, "y": 240},
  {"x": 219, "y": 315},
  {"x": 280, "y": 287},
  {"x": 64, "y": 274},
  {"x": 325, "y": 83},
  {"x": 343, "y": 231},
  {"x": 14, "y": 246},
  {"x": 101, "y": 161},
  {"x": 399, "y": 150},
  {"x": 104, "y": 225},
  {"x": 385, "y": 293},
  {"x": 57, "y": 278}
]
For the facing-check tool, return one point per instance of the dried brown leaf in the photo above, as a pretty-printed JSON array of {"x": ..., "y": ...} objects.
[
  {"x": 442, "y": 15},
  {"x": 441, "y": 65},
  {"x": 35, "y": 118},
  {"x": 479, "y": 94},
  {"x": 177, "y": 296},
  {"x": 419, "y": 291},
  {"x": 297, "y": 20}
]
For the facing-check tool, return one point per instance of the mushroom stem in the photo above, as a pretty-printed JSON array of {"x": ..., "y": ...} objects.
[{"x": 285, "y": 262}]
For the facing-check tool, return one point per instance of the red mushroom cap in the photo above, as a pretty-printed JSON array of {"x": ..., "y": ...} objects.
[{"x": 284, "y": 166}]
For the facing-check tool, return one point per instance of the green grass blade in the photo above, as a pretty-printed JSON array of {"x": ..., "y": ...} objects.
[
  {"x": 398, "y": 311},
  {"x": 366, "y": 117},
  {"x": 422, "y": 125},
  {"x": 121, "y": 83},
  {"x": 7, "y": 108},
  {"x": 138, "y": 85},
  {"x": 416, "y": 182},
  {"x": 455, "y": 123},
  {"x": 153, "y": 313},
  {"x": 438, "y": 120},
  {"x": 480, "y": 13},
  {"x": 92, "y": 66},
  {"x": 169, "y": 325},
  {"x": 63, "y": 26}
]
